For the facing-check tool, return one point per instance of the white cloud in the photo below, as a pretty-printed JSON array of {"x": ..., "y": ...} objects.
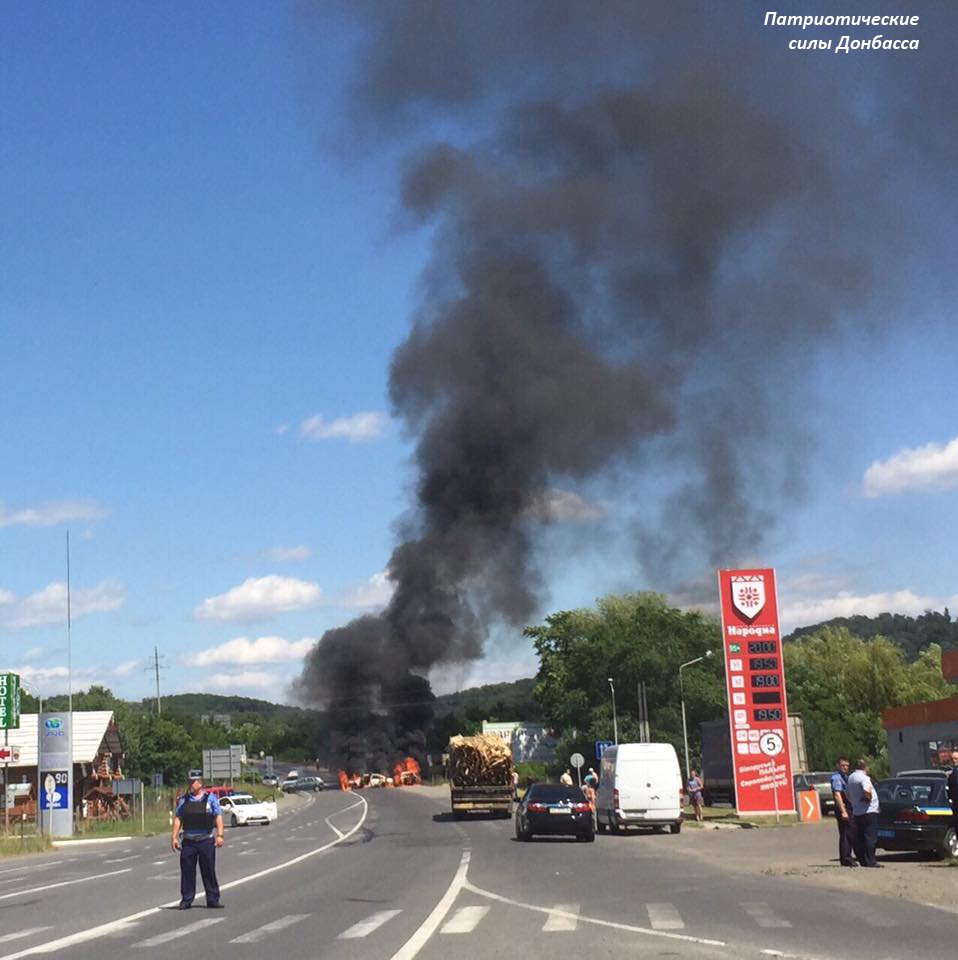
[
  {"x": 243, "y": 651},
  {"x": 802, "y": 613},
  {"x": 356, "y": 428},
  {"x": 564, "y": 506},
  {"x": 931, "y": 467},
  {"x": 375, "y": 593},
  {"x": 49, "y": 605},
  {"x": 247, "y": 679},
  {"x": 125, "y": 668},
  {"x": 259, "y": 599},
  {"x": 287, "y": 554},
  {"x": 42, "y": 676},
  {"x": 52, "y": 514}
]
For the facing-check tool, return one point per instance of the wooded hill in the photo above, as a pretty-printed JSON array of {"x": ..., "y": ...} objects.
[{"x": 911, "y": 635}]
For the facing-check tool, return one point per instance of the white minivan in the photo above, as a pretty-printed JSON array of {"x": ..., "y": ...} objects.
[{"x": 640, "y": 785}]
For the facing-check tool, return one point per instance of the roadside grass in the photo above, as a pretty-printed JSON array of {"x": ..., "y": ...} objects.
[
  {"x": 13, "y": 846},
  {"x": 728, "y": 815}
]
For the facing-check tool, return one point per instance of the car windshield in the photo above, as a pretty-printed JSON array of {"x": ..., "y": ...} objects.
[
  {"x": 238, "y": 800},
  {"x": 911, "y": 791},
  {"x": 554, "y": 793}
]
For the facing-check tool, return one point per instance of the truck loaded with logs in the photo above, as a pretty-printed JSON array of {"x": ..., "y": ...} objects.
[{"x": 480, "y": 776}]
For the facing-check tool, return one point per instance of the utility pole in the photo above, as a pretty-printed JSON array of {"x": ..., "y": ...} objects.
[{"x": 156, "y": 668}]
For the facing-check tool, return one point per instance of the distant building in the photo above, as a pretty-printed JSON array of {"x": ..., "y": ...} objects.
[
  {"x": 922, "y": 735},
  {"x": 223, "y": 719},
  {"x": 530, "y": 742},
  {"x": 97, "y": 759}
]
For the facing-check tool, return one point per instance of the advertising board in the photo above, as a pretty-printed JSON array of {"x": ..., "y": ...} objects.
[
  {"x": 9, "y": 701},
  {"x": 755, "y": 683}
]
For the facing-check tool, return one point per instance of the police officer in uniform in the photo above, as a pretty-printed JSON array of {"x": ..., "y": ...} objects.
[
  {"x": 952, "y": 784},
  {"x": 199, "y": 816},
  {"x": 843, "y": 813}
]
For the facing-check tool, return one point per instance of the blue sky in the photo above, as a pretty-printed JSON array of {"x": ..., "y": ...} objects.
[{"x": 201, "y": 294}]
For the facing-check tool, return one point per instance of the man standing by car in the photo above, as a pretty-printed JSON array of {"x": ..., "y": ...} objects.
[
  {"x": 953, "y": 788},
  {"x": 198, "y": 815},
  {"x": 843, "y": 813},
  {"x": 864, "y": 800}
]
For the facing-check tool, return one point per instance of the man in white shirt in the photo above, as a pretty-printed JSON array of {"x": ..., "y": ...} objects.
[{"x": 864, "y": 801}]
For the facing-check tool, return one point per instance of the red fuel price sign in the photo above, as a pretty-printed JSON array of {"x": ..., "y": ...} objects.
[{"x": 755, "y": 681}]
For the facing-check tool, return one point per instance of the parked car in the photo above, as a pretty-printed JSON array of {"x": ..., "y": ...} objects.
[
  {"x": 821, "y": 782},
  {"x": 934, "y": 772},
  {"x": 242, "y": 809},
  {"x": 304, "y": 784},
  {"x": 554, "y": 809},
  {"x": 378, "y": 780},
  {"x": 914, "y": 814},
  {"x": 270, "y": 780},
  {"x": 639, "y": 786}
]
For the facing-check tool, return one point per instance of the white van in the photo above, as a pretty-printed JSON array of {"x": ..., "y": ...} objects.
[{"x": 640, "y": 785}]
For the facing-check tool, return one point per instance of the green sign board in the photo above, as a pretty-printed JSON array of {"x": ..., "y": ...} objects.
[{"x": 9, "y": 701}]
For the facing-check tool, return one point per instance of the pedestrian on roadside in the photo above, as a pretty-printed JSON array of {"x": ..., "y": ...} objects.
[
  {"x": 198, "y": 816},
  {"x": 952, "y": 785},
  {"x": 588, "y": 788},
  {"x": 843, "y": 813},
  {"x": 515, "y": 785},
  {"x": 593, "y": 778},
  {"x": 861, "y": 791},
  {"x": 696, "y": 785},
  {"x": 566, "y": 778}
]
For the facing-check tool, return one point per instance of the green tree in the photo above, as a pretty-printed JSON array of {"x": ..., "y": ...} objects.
[
  {"x": 840, "y": 683},
  {"x": 158, "y": 745},
  {"x": 631, "y": 638}
]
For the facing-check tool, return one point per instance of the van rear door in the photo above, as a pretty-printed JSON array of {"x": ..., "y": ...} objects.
[{"x": 648, "y": 789}]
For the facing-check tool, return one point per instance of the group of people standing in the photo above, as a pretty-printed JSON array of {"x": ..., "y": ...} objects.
[{"x": 856, "y": 812}]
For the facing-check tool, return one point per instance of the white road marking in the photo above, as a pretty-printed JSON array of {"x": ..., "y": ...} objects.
[
  {"x": 764, "y": 915},
  {"x": 365, "y": 927},
  {"x": 254, "y": 936},
  {"x": 609, "y": 924},
  {"x": 664, "y": 916},
  {"x": 428, "y": 927},
  {"x": 11, "y": 879},
  {"x": 464, "y": 920},
  {"x": 39, "y": 866},
  {"x": 105, "y": 929},
  {"x": 178, "y": 932},
  {"x": 64, "y": 883},
  {"x": 562, "y": 921},
  {"x": 135, "y": 856},
  {"x": 158, "y": 863},
  {"x": 20, "y": 934},
  {"x": 247, "y": 853}
]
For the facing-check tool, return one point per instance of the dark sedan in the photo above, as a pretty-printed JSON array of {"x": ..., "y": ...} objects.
[
  {"x": 550, "y": 808},
  {"x": 914, "y": 815},
  {"x": 304, "y": 784}
]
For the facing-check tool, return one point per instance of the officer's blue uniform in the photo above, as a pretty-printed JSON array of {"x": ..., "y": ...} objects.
[{"x": 198, "y": 818}]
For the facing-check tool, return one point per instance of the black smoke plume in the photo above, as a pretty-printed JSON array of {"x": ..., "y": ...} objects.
[{"x": 658, "y": 220}]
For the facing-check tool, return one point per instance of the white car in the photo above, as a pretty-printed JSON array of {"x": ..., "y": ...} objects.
[{"x": 241, "y": 809}]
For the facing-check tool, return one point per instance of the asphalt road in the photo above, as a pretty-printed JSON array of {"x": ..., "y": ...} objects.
[{"x": 387, "y": 875}]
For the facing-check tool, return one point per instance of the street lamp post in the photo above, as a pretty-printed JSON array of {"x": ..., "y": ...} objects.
[
  {"x": 685, "y": 732},
  {"x": 615, "y": 723}
]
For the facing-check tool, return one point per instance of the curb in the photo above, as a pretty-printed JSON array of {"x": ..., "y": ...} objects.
[{"x": 76, "y": 843}]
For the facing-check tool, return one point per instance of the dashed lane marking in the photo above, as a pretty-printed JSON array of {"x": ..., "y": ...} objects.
[
  {"x": 566, "y": 918},
  {"x": 21, "y": 934},
  {"x": 63, "y": 883},
  {"x": 764, "y": 915},
  {"x": 464, "y": 920},
  {"x": 365, "y": 927},
  {"x": 254, "y": 936},
  {"x": 664, "y": 916},
  {"x": 186, "y": 931}
]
